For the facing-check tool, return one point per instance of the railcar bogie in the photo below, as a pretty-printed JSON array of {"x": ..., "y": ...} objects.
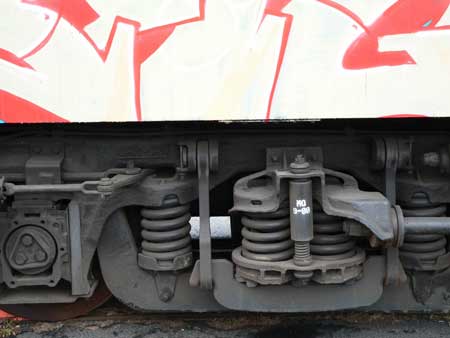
[{"x": 318, "y": 219}]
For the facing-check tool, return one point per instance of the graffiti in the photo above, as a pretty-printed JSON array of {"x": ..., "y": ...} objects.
[
  {"x": 403, "y": 17},
  {"x": 275, "y": 7},
  {"x": 216, "y": 58},
  {"x": 80, "y": 14}
]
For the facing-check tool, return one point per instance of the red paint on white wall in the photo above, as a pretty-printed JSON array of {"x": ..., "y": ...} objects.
[{"x": 403, "y": 17}]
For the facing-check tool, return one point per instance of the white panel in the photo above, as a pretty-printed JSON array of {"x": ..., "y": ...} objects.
[{"x": 128, "y": 60}]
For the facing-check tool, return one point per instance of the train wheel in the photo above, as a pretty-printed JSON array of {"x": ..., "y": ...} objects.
[{"x": 57, "y": 312}]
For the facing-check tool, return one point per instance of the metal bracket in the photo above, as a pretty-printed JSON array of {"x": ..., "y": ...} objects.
[
  {"x": 390, "y": 169},
  {"x": 43, "y": 169},
  {"x": 395, "y": 274},
  {"x": 205, "y": 228},
  {"x": 48, "y": 229},
  {"x": 165, "y": 283},
  {"x": 80, "y": 285},
  {"x": 236, "y": 296},
  {"x": 207, "y": 161},
  {"x": 391, "y": 155},
  {"x": 343, "y": 199},
  {"x": 106, "y": 186}
]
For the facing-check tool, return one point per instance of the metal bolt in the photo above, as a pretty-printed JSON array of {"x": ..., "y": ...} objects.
[
  {"x": 40, "y": 256},
  {"x": 131, "y": 169},
  {"x": 446, "y": 296},
  {"x": 432, "y": 159},
  {"x": 20, "y": 259},
  {"x": 105, "y": 181},
  {"x": 166, "y": 295},
  {"x": 302, "y": 278},
  {"x": 27, "y": 240},
  {"x": 299, "y": 164}
]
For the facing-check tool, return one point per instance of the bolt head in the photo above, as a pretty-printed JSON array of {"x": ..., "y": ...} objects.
[
  {"x": 431, "y": 159},
  {"x": 300, "y": 158},
  {"x": 40, "y": 256},
  {"x": 20, "y": 259},
  {"x": 166, "y": 295},
  {"x": 27, "y": 240},
  {"x": 299, "y": 163},
  {"x": 105, "y": 181}
]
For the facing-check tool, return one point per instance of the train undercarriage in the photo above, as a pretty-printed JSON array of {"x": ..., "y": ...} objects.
[{"x": 331, "y": 215}]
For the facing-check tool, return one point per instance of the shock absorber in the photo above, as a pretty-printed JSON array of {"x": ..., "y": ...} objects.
[
  {"x": 166, "y": 241},
  {"x": 330, "y": 242},
  {"x": 301, "y": 217},
  {"x": 266, "y": 236},
  {"x": 280, "y": 247},
  {"x": 420, "y": 251}
]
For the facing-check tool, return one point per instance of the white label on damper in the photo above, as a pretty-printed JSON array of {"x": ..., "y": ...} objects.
[{"x": 301, "y": 208}]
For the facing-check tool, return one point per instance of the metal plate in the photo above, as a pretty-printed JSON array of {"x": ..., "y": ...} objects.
[
  {"x": 136, "y": 287},
  {"x": 56, "y": 312},
  {"x": 234, "y": 295}
]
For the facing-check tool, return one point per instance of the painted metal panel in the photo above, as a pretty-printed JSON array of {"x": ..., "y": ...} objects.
[{"x": 160, "y": 60}]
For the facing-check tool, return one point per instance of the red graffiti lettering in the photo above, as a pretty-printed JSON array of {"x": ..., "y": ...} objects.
[
  {"x": 403, "y": 17},
  {"x": 275, "y": 8}
]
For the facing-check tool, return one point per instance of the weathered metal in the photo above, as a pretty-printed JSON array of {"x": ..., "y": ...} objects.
[
  {"x": 61, "y": 311},
  {"x": 236, "y": 296},
  {"x": 97, "y": 185}
]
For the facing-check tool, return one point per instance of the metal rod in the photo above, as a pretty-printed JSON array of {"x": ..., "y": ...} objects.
[
  {"x": 66, "y": 176},
  {"x": 42, "y": 188},
  {"x": 206, "y": 279},
  {"x": 427, "y": 225},
  {"x": 301, "y": 219}
]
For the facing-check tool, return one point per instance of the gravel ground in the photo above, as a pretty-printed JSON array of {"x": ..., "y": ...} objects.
[{"x": 346, "y": 325}]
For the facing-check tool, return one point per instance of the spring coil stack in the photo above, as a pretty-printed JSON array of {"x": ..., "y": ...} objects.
[
  {"x": 266, "y": 237},
  {"x": 330, "y": 242},
  {"x": 166, "y": 240},
  {"x": 420, "y": 251}
]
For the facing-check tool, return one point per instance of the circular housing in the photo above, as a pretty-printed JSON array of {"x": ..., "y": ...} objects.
[{"x": 30, "y": 250}]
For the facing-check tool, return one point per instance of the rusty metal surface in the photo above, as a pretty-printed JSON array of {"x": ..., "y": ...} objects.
[{"x": 57, "y": 312}]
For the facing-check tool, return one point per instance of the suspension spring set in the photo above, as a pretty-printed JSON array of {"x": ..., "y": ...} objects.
[
  {"x": 166, "y": 241},
  {"x": 421, "y": 251},
  {"x": 330, "y": 242},
  {"x": 266, "y": 237},
  {"x": 297, "y": 243}
]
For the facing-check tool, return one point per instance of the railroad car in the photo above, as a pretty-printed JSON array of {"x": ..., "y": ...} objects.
[{"x": 224, "y": 155}]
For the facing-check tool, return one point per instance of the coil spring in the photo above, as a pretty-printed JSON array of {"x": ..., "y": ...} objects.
[
  {"x": 266, "y": 236},
  {"x": 330, "y": 242},
  {"x": 423, "y": 247},
  {"x": 166, "y": 232}
]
